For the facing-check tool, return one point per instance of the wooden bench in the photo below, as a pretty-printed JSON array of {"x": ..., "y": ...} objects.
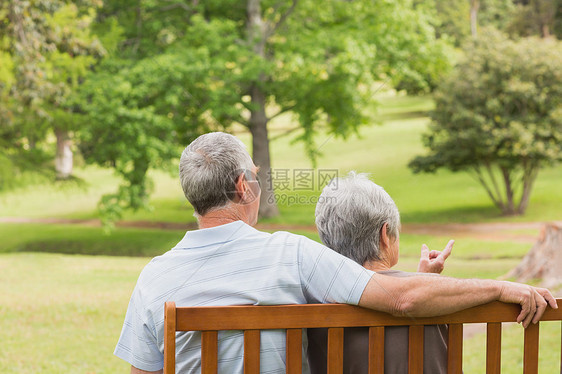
[{"x": 293, "y": 318}]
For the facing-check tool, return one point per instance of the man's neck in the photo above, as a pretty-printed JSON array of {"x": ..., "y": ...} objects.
[{"x": 219, "y": 218}]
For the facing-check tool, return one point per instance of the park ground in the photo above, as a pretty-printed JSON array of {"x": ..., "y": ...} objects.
[{"x": 65, "y": 283}]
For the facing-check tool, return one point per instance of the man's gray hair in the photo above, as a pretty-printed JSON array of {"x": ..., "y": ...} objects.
[
  {"x": 209, "y": 167},
  {"x": 350, "y": 214}
]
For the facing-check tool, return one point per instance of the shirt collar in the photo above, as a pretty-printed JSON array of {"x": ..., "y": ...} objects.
[{"x": 214, "y": 235}]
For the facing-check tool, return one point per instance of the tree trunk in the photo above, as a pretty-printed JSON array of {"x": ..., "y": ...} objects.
[
  {"x": 63, "y": 157},
  {"x": 260, "y": 145},
  {"x": 544, "y": 260},
  {"x": 545, "y": 11},
  {"x": 529, "y": 179},
  {"x": 258, "y": 118},
  {"x": 474, "y": 6},
  {"x": 509, "y": 207}
]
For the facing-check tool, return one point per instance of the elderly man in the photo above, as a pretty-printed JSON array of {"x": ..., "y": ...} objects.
[
  {"x": 357, "y": 218},
  {"x": 228, "y": 262}
]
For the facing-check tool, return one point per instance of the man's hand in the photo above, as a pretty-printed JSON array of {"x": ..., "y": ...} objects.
[
  {"x": 434, "y": 261},
  {"x": 533, "y": 301}
]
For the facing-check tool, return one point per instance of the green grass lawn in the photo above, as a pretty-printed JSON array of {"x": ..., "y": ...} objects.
[
  {"x": 63, "y": 313},
  {"x": 78, "y": 239}
]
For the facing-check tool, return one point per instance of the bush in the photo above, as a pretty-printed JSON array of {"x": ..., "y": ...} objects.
[{"x": 499, "y": 117}]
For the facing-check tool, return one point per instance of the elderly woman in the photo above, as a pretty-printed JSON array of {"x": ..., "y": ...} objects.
[{"x": 358, "y": 219}]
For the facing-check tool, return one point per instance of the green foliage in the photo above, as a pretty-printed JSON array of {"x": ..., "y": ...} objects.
[
  {"x": 175, "y": 71},
  {"x": 138, "y": 111},
  {"x": 120, "y": 134},
  {"x": 420, "y": 57},
  {"x": 496, "y": 13},
  {"x": 46, "y": 48},
  {"x": 500, "y": 108},
  {"x": 452, "y": 17},
  {"x": 536, "y": 17}
]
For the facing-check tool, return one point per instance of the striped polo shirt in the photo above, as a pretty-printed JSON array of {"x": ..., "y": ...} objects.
[{"x": 233, "y": 264}]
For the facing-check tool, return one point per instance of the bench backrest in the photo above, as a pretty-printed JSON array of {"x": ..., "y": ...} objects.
[{"x": 293, "y": 318}]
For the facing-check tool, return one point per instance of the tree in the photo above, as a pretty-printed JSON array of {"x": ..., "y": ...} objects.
[
  {"x": 474, "y": 6},
  {"x": 451, "y": 19},
  {"x": 498, "y": 116},
  {"x": 21, "y": 88},
  {"x": 536, "y": 17},
  {"x": 214, "y": 64},
  {"x": 48, "y": 48},
  {"x": 458, "y": 19}
]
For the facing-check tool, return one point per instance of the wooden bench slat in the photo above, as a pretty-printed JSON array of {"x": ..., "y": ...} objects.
[
  {"x": 531, "y": 349},
  {"x": 493, "y": 348},
  {"x": 170, "y": 328},
  {"x": 376, "y": 350},
  {"x": 335, "y": 350},
  {"x": 294, "y": 351},
  {"x": 415, "y": 349},
  {"x": 251, "y": 351},
  {"x": 209, "y": 352},
  {"x": 335, "y": 315},
  {"x": 454, "y": 353},
  {"x": 252, "y": 319}
]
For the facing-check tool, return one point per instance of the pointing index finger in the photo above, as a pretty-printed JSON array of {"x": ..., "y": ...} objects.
[
  {"x": 448, "y": 248},
  {"x": 424, "y": 252}
]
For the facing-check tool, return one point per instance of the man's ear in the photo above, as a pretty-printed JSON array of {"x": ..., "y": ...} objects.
[
  {"x": 385, "y": 239},
  {"x": 240, "y": 188}
]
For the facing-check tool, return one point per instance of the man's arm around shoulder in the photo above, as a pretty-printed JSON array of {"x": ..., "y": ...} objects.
[{"x": 423, "y": 296}]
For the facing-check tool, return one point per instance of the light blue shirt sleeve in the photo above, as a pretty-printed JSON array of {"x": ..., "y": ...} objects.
[
  {"x": 329, "y": 277},
  {"x": 138, "y": 341}
]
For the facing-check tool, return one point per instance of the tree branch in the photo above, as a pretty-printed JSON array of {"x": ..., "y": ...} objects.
[
  {"x": 530, "y": 172},
  {"x": 242, "y": 121},
  {"x": 246, "y": 105},
  {"x": 271, "y": 30},
  {"x": 517, "y": 180},
  {"x": 174, "y": 6},
  {"x": 508, "y": 189},
  {"x": 139, "y": 27},
  {"x": 237, "y": 119},
  {"x": 494, "y": 183},
  {"x": 281, "y": 111},
  {"x": 284, "y": 134},
  {"x": 482, "y": 181}
]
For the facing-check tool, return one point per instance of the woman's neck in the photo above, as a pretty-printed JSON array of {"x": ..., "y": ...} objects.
[{"x": 380, "y": 265}]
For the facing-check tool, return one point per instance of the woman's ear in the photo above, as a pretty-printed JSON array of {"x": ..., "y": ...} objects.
[{"x": 385, "y": 239}]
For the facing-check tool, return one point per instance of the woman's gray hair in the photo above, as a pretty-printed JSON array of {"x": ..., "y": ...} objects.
[
  {"x": 350, "y": 214},
  {"x": 209, "y": 167}
]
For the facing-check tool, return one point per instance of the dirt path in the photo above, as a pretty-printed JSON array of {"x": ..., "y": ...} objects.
[{"x": 522, "y": 232}]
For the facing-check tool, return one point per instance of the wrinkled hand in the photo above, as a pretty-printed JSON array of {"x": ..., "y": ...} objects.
[
  {"x": 533, "y": 301},
  {"x": 434, "y": 261}
]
